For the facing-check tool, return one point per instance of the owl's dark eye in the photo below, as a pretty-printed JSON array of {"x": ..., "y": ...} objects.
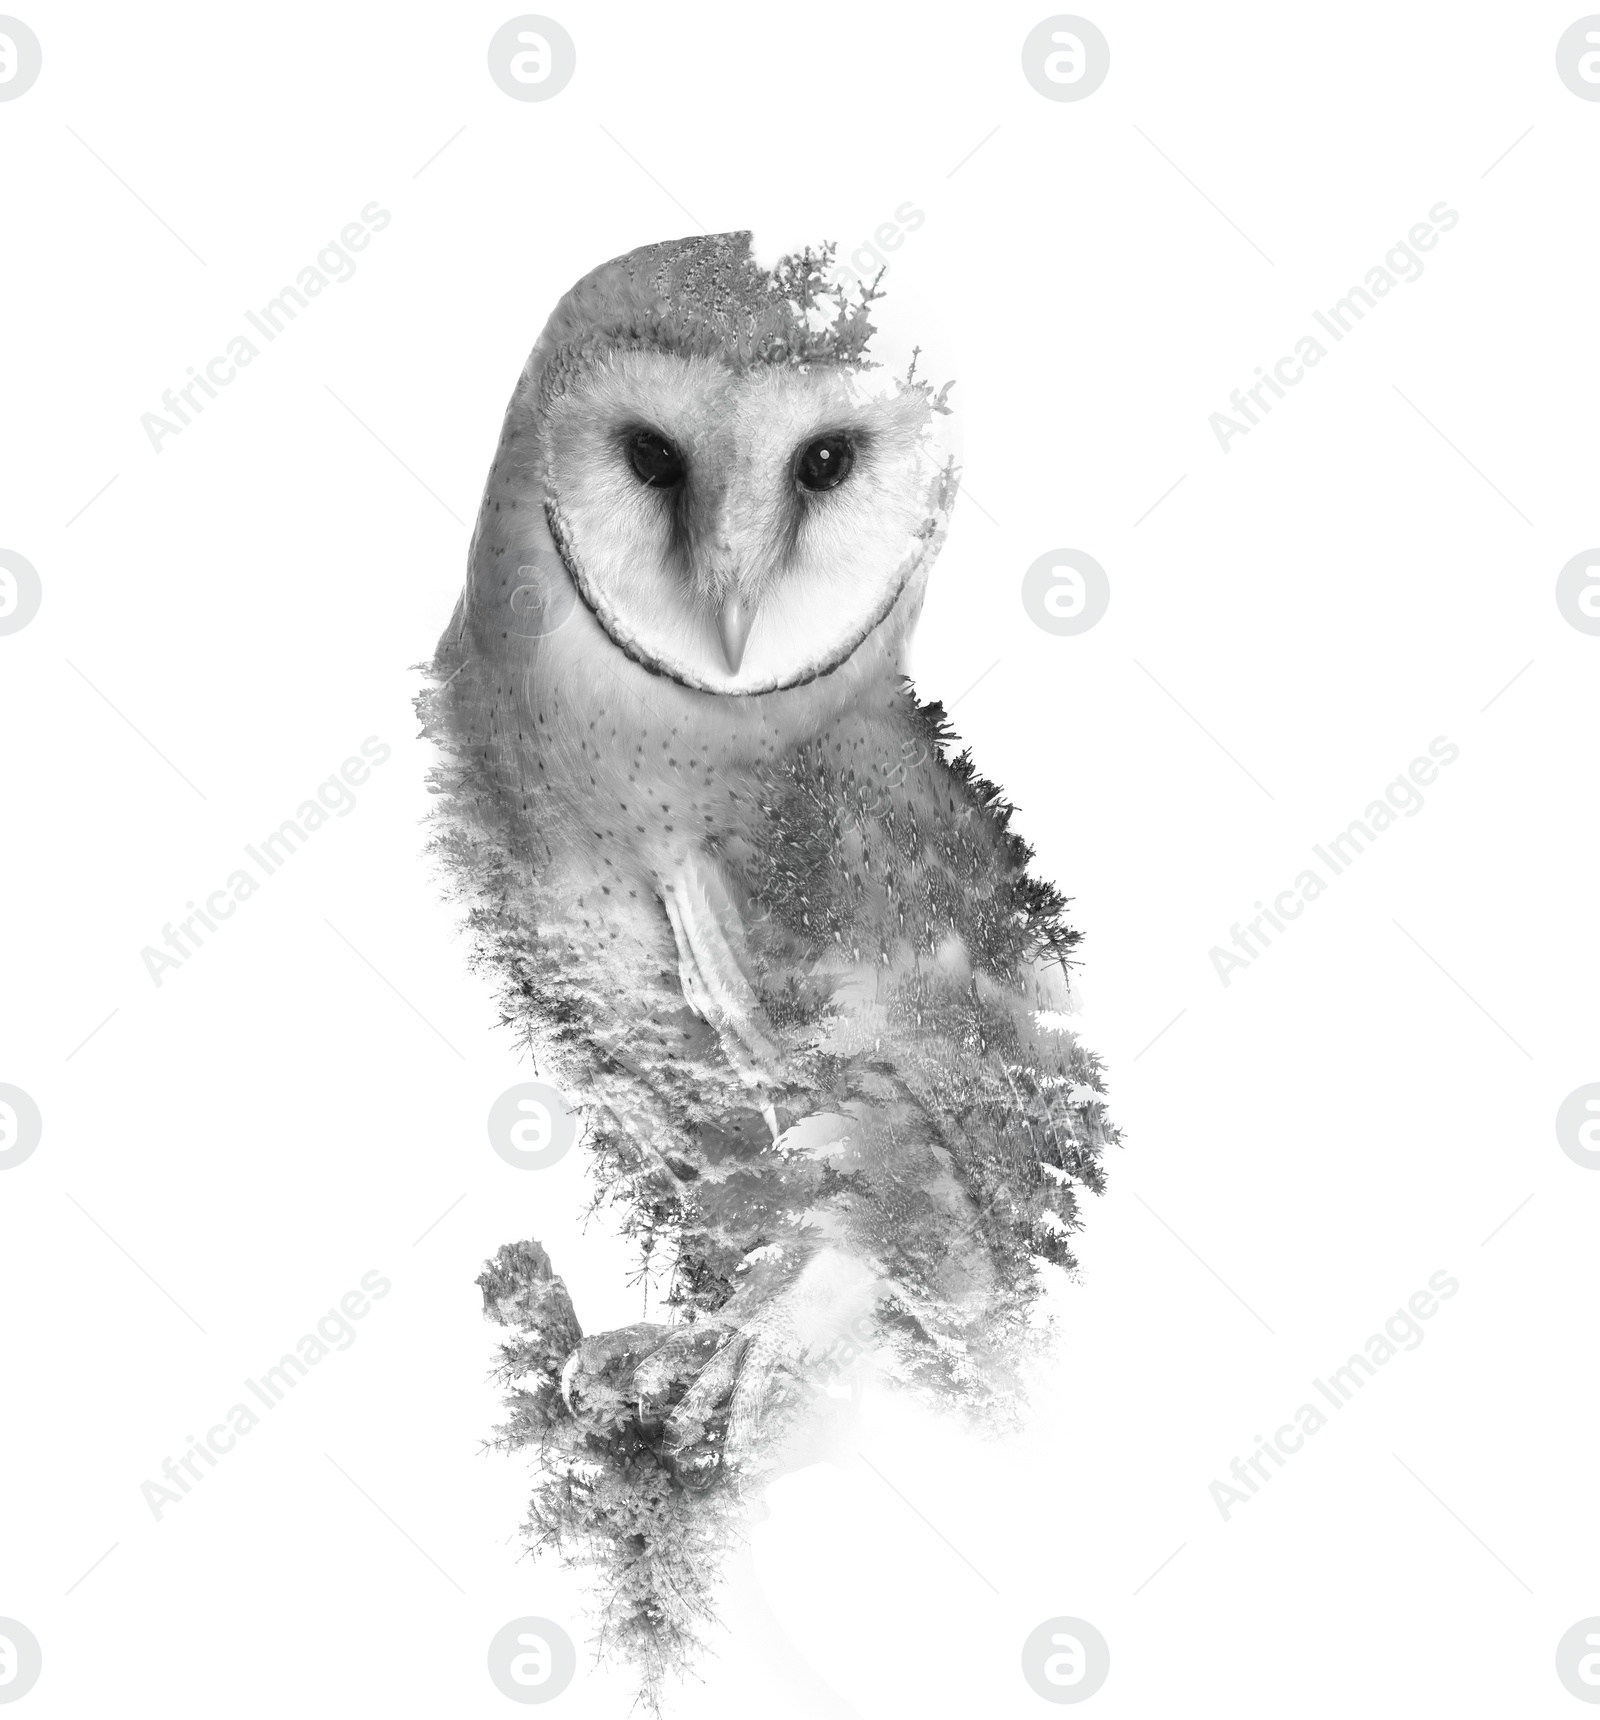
[
  {"x": 654, "y": 460},
  {"x": 825, "y": 463}
]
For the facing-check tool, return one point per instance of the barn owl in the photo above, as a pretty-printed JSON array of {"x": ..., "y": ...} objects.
[{"x": 745, "y": 905}]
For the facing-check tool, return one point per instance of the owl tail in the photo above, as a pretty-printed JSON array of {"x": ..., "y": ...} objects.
[{"x": 620, "y": 1490}]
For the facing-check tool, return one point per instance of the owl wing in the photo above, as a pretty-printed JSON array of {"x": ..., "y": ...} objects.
[{"x": 712, "y": 970}]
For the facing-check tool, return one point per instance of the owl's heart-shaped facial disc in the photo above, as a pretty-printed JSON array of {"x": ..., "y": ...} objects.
[{"x": 740, "y": 530}]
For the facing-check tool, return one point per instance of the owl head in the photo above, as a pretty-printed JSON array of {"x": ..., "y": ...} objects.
[{"x": 707, "y": 486}]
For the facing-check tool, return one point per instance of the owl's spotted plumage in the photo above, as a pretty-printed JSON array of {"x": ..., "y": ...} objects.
[{"x": 741, "y": 901}]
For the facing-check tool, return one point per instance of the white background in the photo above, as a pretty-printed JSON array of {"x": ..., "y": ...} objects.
[{"x": 1342, "y": 586}]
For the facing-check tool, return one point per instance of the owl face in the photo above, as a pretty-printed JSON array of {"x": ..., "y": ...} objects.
[{"x": 739, "y": 528}]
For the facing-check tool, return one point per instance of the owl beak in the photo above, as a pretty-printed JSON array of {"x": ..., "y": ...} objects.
[{"x": 733, "y": 627}]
